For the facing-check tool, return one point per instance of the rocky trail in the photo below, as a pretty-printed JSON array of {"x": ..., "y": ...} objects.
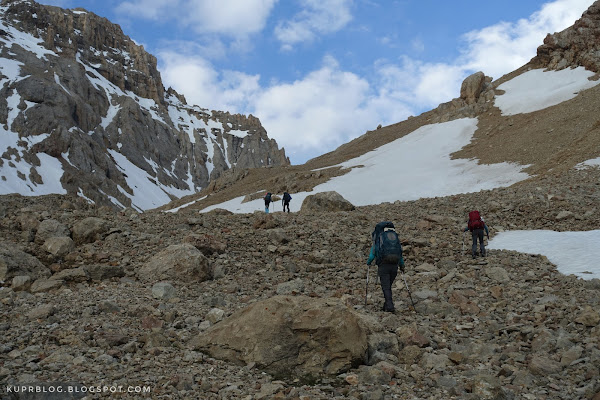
[{"x": 95, "y": 297}]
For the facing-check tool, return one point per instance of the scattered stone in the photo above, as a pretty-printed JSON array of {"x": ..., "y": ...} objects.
[{"x": 163, "y": 290}]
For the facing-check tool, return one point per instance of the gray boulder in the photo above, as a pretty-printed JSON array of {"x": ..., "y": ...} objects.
[
  {"x": 89, "y": 230},
  {"x": 180, "y": 262},
  {"x": 14, "y": 262},
  {"x": 50, "y": 228},
  {"x": 291, "y": 336},
  {"x": 326, "y": 201}
]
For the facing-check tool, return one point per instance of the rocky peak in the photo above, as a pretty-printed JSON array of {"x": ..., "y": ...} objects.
[
  {"x": 95, "y": 40},
  {"x": 575, "y": 46},
  {"x": 85, "y": 112}
]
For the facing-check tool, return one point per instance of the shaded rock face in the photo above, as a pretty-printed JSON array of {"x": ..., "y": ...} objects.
[
  {"x": 291, "y": 336},
  {"x": 575, "y": 46},
  {"x": 326, "y": 201},
  {"x": 88, "y": 103}
]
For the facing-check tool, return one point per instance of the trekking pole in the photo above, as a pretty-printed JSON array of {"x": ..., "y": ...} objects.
[
  {"x": 367, "y": 287},
  {"x": 409, "y": 295}
]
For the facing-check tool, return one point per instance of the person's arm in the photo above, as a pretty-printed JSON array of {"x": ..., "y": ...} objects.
[
  {"x": 487, "y": 232},
  {"x": 401, "y": 263},
  {"x": 371, "y": 255}
]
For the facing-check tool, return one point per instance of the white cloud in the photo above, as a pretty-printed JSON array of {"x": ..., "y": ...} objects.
[
  {"x": 204, "y": 86},
  {"x": 503, "y": 47},
  {"x": 316, "y": 18},
  {"x": 325, "y": 109},
  {"x": 235, "y": 18}
]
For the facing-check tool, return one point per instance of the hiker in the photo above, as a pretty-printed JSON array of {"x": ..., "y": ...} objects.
[
  {"x": 387, "y": 253},
  {"x": 477, "y": 225},
  {"x": 286, "y": 201},
  {"x": 267, "y": 201}
]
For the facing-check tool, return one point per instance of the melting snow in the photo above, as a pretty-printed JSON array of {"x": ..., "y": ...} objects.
[
  {"x": 572, "y": 252},
  {"x": 414, "y": 166},
  {"x": 538, "y": 89}
]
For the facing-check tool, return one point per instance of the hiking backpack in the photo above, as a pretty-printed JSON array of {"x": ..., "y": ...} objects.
[
  {"x": 387, "y": 243},
  {"x": 268, "y": 197},
  {"x": 286, "y": 197},
  {"x": 475, "y": 221}
]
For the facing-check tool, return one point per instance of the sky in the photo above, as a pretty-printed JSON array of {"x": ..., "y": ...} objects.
[{"x": 319, "y": 73}]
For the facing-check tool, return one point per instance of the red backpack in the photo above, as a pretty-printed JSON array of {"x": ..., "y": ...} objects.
[{"x": 475, "y": 221}]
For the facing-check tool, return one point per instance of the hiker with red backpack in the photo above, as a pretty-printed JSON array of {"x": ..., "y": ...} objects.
[
  {"x": 387, "y": 253},
  {"x": 477, "y": 226}
]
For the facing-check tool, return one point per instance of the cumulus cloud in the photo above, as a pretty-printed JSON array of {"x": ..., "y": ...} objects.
[
  {"x": 227, "y": 17},
  {"x": 316, "y": 18},
  {"x": 503, "y": 47},
  {"x": 206, "y": 87},
  {"x": 323, "y": 110}
]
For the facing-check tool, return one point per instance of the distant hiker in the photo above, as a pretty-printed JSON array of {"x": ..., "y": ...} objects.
[
  {"x": 267, "y": 201},
  {"x": 387, "y": 253},
  {"x": 286, "y": 201},
  {"x": 476, "y": 225}
]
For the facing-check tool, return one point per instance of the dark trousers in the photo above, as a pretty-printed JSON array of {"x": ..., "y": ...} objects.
[
  {"x": 477, "y": 234},
  {"x": 387, "y": 273},
  {"x": 286, "y": 204}
]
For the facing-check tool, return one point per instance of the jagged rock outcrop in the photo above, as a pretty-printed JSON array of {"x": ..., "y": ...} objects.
[
  {"x": 85, "y": 112},
  {"x": 575, "y": 46}
]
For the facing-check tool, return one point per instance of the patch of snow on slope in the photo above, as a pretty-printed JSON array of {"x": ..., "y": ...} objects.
[
  {"x": 572, "y": 252},
  {"x": 538, "y": 89},
  {"x": 415, "y": 166}
]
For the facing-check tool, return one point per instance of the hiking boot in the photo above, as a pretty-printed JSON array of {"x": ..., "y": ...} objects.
[{"x": 474, "y": 256}]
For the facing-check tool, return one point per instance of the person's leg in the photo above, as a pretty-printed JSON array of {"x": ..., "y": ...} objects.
[
  {"x": 474, "y": 245},
  {"x": 481, "y": 244},
  {"x": 386, "y": 278}
]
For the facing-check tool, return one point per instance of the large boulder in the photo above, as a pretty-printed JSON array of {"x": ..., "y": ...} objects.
[
  {"x": 89, "y": 230},
  {"x": 472, "y": 86},
  {"x": 178, "y": 262},
  {"x": 14, "y": 262},
  {"x": 326, "y": 201},
  {"x": 288, "y": 336},
  {"x": 50, "y": 228}
]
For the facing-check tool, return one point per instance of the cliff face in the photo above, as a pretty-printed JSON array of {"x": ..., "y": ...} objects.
[{"x": 83, "y": 111}]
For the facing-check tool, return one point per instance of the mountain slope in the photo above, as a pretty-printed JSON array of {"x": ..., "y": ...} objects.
[
  {"x": 83, "y": 111},
  {"x": 540, "y": 119}
]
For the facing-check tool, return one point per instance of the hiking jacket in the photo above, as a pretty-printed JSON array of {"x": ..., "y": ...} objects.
[{"x": 373, "y": 256}]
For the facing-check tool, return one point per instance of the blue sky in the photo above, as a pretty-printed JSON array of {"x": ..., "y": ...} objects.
[{"x": 319, "y": 73}]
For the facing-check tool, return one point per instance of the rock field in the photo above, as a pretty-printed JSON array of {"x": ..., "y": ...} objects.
[{"x": 95, "y": 297}]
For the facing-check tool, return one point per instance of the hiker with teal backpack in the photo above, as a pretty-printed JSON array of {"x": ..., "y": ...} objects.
[
  {"x": 286, "y": 201},
  {"x": 267, "y": 201},
  {"x": 387, "y": 253},
  {"x": 477, "y": 225}
]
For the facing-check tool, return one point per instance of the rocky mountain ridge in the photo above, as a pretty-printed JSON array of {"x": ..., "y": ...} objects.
[{"x": 76, "y": 89}]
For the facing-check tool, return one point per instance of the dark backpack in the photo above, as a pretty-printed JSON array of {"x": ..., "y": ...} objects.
[
  {"x": 387, "y": 243},
  {"x": 475, "y": 221},
  {"x": 286, "y": 197},
  {"x": 268, "y": 197}
]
